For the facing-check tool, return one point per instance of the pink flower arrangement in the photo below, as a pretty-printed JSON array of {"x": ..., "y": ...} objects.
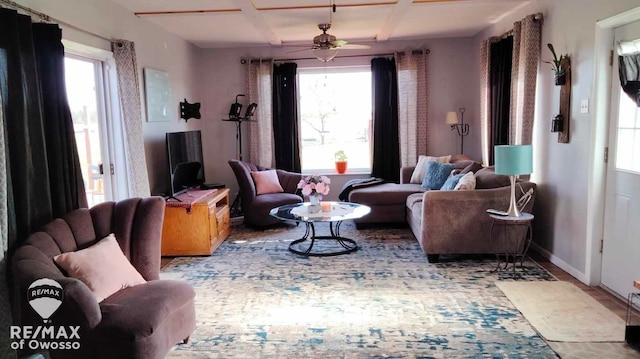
[{"x": 314, "y": 185}]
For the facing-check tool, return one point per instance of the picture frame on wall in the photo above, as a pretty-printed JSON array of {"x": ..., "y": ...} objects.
[{"x": 158, "y": 95}]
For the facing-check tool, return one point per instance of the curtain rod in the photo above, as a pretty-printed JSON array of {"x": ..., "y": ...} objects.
[
  {"x": 46, "y": 18},
  {"x": 426, "y": 51}
]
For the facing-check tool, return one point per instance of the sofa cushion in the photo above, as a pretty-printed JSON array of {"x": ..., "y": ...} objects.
[
  {"x": 435, "y": 174},
  {"x": 418, "y": 172},
  {"x": 487, "y": 178},
  {"x": 128, "y": 315},
  {"x": 266, "y": 182},
  {"x": 102, "y": 267},
  {"x": 384, "y": 194},
  {"x": 451, "y": 182},
  {"x": 466, "y": 183}
]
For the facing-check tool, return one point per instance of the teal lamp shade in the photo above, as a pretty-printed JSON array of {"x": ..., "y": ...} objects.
[{"x": 514, "y": 160}]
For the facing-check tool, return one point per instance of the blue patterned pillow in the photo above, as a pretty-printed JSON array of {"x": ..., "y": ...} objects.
[
  {"x": 436, "y": 174},
  {"x": 451, "y": 182}
]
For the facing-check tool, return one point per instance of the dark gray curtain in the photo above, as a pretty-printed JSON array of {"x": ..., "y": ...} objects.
[
  {"x": 44, "y": 179},
  {"x": 629, "y": 71},
  {"x": 501, "y": 55},
  {"x": 386, "y": 143},
  {"x": 285, "y": 117}
]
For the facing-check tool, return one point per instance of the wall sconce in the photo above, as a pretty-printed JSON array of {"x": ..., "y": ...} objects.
[
  {"x": 557, "y": 123},
  {"x": 459, "y": 125}
]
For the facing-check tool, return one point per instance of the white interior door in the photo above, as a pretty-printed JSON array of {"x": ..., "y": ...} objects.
[{"x": 621, "y": 247}]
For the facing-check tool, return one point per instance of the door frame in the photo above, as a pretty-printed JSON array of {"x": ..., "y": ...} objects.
[{"x": 604, "y": 38}]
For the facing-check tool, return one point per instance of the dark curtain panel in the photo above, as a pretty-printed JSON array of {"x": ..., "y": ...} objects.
[
  {"x": 285, "y": 117},
  {"x": 43, "y": 165},
  {"x": 629, "y": 70},
  {"x": 386, "y": 144},
  {"x": 501, "y": 54}
]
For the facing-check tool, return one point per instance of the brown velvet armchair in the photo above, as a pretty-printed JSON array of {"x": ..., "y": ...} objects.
[
  {"x": 143, "y": 321},
  {"x": 256, "y": 207}
]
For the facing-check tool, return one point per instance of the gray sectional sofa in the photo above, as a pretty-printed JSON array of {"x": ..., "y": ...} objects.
[{"x": 443, "y": 222}]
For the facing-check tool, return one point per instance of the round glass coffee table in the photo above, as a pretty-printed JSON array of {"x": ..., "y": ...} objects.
[{"x": 340, "y": 211}]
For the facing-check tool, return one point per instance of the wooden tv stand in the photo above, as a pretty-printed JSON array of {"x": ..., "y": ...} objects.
[{"x": 197, "y": 227}]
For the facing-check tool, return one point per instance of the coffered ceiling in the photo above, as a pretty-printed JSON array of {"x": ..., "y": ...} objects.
[{"x": 249, "y": 23}]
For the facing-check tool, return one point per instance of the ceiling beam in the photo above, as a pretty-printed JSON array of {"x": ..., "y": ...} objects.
[
  {"x": 258, "y": 21},
  {"x": 182, "y": 12},
  {"x": 266, "y": 8},
  {"x": 394, "y": 17}
]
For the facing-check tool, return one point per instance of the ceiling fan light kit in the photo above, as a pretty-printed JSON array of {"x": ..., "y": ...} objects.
[{"x": 325, "y": 54}]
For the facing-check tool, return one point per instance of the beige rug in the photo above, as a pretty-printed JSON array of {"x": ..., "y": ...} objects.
[{"x": 562, "y": 312}]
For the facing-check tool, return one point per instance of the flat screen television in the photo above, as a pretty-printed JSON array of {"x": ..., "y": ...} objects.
[{"x": 184, "y": 150}]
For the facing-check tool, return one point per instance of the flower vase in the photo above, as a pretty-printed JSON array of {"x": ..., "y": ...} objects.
[{"x": 314, "y": 204}]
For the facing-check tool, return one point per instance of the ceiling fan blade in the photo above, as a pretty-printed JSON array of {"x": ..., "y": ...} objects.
[
  {"x": 354, "y": 47},
  {"x": 300, "y": 50},
  {"x": 338, "y": 43}
]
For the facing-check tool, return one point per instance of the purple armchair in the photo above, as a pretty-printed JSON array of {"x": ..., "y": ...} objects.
[
  {"x": 143, "y": 321},
  {"x": 256, "y": 207}
]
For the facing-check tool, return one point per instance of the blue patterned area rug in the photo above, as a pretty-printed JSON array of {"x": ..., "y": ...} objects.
[{"x": 255, "y": 299}]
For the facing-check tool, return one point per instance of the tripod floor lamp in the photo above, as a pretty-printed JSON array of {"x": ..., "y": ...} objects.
[
  {"x": 234, "y": 116},
  {"x": 459, "y": 125}
]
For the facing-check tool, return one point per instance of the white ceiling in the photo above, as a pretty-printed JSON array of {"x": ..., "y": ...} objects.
[{"x": 250, "y": 23}]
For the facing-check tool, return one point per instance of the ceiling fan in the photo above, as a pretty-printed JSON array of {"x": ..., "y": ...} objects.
[{"x": 325, "y": 46}]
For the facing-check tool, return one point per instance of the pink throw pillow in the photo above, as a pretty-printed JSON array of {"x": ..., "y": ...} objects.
[
  {"x": 267, "y": 182},
  {"x": 102, "y": 267}
]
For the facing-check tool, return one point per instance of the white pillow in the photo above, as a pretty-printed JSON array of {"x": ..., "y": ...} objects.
[
  {"x": 418, "y": 173},
  {"x": 467, "y": 182}
]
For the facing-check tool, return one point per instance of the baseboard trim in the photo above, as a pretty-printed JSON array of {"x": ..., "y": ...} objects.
[{"x": 560, "y": 263}]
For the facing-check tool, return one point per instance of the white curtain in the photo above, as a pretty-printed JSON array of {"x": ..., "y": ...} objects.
[
  {"x": 131, "y": 113},
  {"x": 413, "y": 103},
  {"x": 260, "y": 91}
]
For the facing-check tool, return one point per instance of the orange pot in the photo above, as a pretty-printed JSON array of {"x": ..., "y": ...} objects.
[{"x": 341, "y": 166}]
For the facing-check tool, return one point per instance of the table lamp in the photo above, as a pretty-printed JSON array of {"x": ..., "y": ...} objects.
[{"x": 513, "y": 160}]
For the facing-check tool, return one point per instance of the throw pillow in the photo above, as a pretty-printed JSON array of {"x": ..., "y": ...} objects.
[
  {"x": 102, "y": 267},
  {"x": 451, "y": 183},
  {"x": 466, "y": 183},
  {"x": 418, "y": 173},
  {"x": 266, "y": 182},
  {"x": 487, "y": 178},
  {"x": 473, "y": 167},
  {"x": 435, "y": 174}
]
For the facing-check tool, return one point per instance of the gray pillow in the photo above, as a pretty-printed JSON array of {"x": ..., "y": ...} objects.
[{"x": 436, "y": 174}]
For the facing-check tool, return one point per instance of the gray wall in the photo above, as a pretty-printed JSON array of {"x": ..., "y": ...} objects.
[
  {"x": 451, "y": 77},
  {"x": 562, "y": 170}
]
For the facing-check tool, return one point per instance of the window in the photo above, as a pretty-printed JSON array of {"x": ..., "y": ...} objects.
[
  {"x": 335, "y": 114},
  {"x": 628, "y": 149}
]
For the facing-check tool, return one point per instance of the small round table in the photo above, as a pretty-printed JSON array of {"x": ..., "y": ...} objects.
[
  {"x": 339, "y": 212},
  {"x": 514, "y": 243}
]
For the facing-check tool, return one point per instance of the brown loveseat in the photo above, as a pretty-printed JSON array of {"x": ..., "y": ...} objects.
[
  {"x": 443, "y": 222},
  {"x": 143, "y": 321}
]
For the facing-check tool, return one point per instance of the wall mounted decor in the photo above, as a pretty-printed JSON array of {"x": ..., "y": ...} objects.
[
  {"x": 158, "y": 94},
  {"x": 189, "y": 110},
  {"x": 565, "y": 102}
]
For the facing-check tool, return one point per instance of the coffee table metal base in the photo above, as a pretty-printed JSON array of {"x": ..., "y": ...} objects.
[{"x": 348, "y": 245}]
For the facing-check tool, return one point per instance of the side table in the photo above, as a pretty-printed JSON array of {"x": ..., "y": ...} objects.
[{"x": 517, "y": 234}]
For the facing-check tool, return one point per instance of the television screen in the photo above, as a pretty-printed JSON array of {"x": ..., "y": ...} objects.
[{"x": 184, "y": 150}]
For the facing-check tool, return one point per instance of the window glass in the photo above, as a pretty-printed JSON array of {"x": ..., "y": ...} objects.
[
  {"x": 335, "y": 114},
  {"x": 628, "y": 146}
]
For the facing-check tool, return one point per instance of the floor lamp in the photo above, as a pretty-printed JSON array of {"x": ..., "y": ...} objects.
[
  {"x": 459, "y": 125},
  {"x": 234, "y": 116}
]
